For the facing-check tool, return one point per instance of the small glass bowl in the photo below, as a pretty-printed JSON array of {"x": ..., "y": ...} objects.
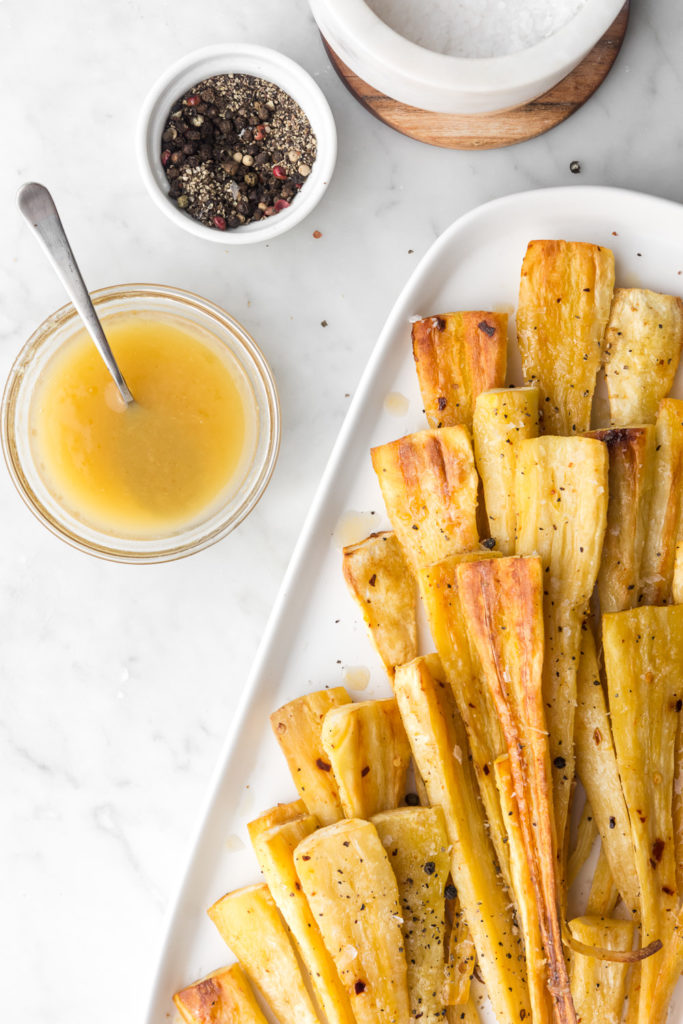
[{"x": 26, "y": 373}]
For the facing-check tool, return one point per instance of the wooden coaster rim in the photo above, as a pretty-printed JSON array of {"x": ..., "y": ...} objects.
[{"x": 503, "y": 128}]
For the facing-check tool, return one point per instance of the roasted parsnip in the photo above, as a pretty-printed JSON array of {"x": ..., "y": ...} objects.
[
  {"x": 465, "y": 1013},
  {"x": 457, "y": 356},
  {"x": 379, "y": 578},
  {"x": 678, "y": 805},
  {"x": 586, "y": 834},
  {"x": 604, "y": 895},
  {"x": 669, "y": 972},
  {"x": 368, "y": 749},
  {"x": 461, "y": 956},
  {"x": 643, "y": 650},
  {"x": 274, "y": 848},
  {"x": 222, "y": 997},
  {"x": 599, "y": 987},
  {"x": 642, "y": 347},
  {"x": 439, "y": 587},
  {"x": 596, "y": 766},
  {"x": 525, "y": 897},
  {"x": 561, "y": 492},
  {"x": 248, "y": 921},
  {"x": 429, "y": 485},
  {"x": 631, "y": 452},
  {"x": 502, "y": 603},
  {"x": 416, "y": 844},
  {"x": 298, "y": 727},
  {"x": 440, "y": 750},
  {"x": 565, "y": 294},
  {"x": 657, "y": 567},
  {"x": 502, "y": 419},
  {"x": 347, "y": 878},
  {"x": 277, "y": 815},
  {"x": 677, "y": 582}
]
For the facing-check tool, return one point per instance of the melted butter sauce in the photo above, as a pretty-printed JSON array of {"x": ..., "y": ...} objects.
[{"x": 161, "y": 463}]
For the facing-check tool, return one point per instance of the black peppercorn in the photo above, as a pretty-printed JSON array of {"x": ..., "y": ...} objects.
[{"x": 219, "y": 117}]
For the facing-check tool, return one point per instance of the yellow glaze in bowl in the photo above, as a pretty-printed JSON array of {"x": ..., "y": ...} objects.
[{"x": 161, "y": 478}]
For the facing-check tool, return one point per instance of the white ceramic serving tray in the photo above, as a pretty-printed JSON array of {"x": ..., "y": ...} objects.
[{"x": 315, "y": 637}]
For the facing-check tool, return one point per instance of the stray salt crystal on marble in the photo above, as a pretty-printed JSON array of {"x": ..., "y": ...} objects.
[{"x": 476, "y": 28}]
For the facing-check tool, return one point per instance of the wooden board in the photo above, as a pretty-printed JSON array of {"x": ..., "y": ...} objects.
[{"x": 493, "y": 131}]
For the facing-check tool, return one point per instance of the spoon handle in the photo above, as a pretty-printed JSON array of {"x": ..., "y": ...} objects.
[{"x": 37, "y": 206}]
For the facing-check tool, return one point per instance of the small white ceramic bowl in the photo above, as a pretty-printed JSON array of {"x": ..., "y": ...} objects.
[
  {"x": 440, "y": 83},
  {"x": 246, "y": 59}
]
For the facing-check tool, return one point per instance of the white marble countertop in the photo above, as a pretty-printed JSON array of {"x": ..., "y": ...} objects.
[{"x": 118, "y": 683}]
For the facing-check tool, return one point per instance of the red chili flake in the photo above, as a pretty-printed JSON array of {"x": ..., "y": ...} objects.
[
  {"x": 219, "y": 222},
  {"x": 279, "y": 172},
  {"x": 373, "y": 579},
  {"x": 165, "y": 156},
  {"x": 365, "y": 771},
  {"x": 323, "y": 765},
  {"x": 359, "y": 987},
  {"x": 193, "y": 101},
  {"x": 487, "y": 328}
]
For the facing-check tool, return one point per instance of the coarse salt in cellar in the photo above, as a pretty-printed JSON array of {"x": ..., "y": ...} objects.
[
  {"x": 476, "y": 28},
  {"x": 466, "y": 56}
]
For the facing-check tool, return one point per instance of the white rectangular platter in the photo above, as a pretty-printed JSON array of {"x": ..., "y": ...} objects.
[{"x": 315, "y": 637}]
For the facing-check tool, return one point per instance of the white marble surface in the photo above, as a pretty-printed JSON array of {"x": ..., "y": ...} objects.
[{"x": 118, "y": 683}]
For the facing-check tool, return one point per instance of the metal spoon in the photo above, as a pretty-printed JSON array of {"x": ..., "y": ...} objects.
[{"x": 38, "y": 207}]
